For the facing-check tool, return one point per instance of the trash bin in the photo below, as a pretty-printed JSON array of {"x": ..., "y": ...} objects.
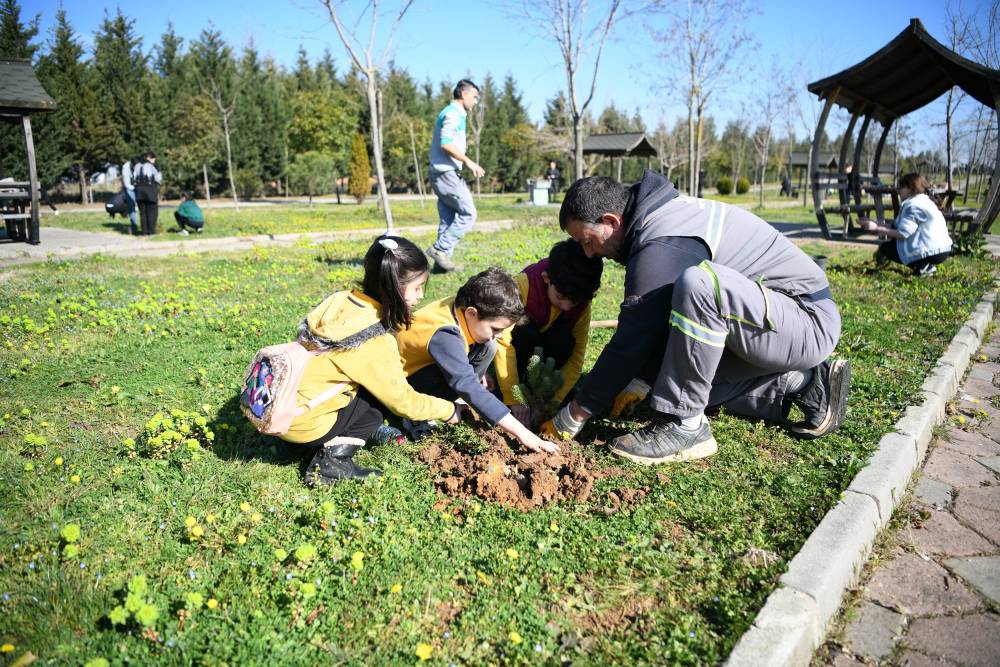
[{"x": 538, "y": 190}]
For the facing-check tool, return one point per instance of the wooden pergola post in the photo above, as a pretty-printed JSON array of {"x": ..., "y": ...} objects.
[
  {"x": 29, "y": 143},
  {"x": 814, "y": 157}
]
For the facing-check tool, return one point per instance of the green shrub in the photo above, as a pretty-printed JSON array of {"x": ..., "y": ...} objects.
[
  {"x": 724, "y": 185},
  {"x": 177, "y": 435},
  {"x": 742, "y": 185},
  {"x": 359, "y": 183},
  {"x": 248, "y": 183}
]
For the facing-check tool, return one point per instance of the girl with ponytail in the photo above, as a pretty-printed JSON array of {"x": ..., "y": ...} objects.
[
  {"x": 352, "y": 330},
  {"x": 919, "y": 238}
]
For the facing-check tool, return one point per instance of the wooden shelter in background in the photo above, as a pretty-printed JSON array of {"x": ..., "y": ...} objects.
[
  {"x": 619, "y": 145},
  {"x": 21, "y": 94},
  {"x": 906, "y": 74},
  {"x": 798, "y": 161}
]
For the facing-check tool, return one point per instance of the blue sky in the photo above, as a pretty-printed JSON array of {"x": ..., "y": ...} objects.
[{"x": 445, "y": 39}]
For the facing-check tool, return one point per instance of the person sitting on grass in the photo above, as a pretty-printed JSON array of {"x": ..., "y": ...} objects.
[
  {"x": 189, "y": 214},
  {"x": 556, "y": 293},
  {"x": 919, "y": 239},
  {"x": 353, "y": 328},
  {"x": 451, "y": 344}
]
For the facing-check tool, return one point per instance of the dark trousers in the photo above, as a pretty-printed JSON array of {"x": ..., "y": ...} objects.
[
  {"x": 186, "y": 222},
  {"x": 148, "y": 212},
  {"x": 890, "y": 251},
  {"x": 431, "y": 381},
  {"x": 358, "y": 419},
  {"x": 556, "y": 342}
]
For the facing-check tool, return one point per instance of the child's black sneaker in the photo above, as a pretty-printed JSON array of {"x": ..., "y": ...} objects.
[{"x": 333, "y": 463}]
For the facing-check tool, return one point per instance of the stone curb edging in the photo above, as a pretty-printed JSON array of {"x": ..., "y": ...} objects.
[{"x": 794, "y": 619}]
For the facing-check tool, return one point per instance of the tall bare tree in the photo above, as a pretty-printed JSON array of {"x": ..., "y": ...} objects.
[
  {"x": 370, "y": 61},
  {"x": 215, "y": 73},
  {"x": 702, "y": 42},
  {"x": 580, "y": 36}
]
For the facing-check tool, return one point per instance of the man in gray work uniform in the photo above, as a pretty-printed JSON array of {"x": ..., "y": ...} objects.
[
  {"x": 455, "y": 207},
  {"x": 723, "y": 309}
]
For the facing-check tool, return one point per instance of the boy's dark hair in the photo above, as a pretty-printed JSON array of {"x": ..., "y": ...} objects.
[
  {"x": 493, "y": 293},
  {"x": 461, "y": 87},
  {"x": 573, "y": 274},
  {"x": 149, "y": 155},
  {"x": 390, "y": 263},
  {"x": 591, "y": 197}
]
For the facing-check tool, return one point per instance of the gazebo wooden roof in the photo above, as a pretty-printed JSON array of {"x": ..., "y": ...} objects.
[
  {"x": 903, "y": 76},
  {"x": 622, "y": 144},
  {"x": 20, "y": 95}
]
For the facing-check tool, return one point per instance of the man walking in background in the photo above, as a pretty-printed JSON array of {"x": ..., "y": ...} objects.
[{"x": 448, "y": 145}]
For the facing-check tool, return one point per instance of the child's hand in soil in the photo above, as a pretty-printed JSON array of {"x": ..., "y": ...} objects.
[{"x": 536, "y": 444}]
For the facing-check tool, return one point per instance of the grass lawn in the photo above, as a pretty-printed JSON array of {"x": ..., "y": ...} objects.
[
  {"x": 244, "y": 565},
  {"x": 284, "y": 219}
]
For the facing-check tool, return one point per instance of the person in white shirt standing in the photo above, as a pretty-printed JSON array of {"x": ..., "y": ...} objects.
[
  {"x": 919, "y": 238},
  {"x": 129, "y": 187}
]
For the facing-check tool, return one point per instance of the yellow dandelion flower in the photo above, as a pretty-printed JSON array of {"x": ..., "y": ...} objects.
[
  {"x": 241, "y": 539},
  {"x": 197, "y": 531},
  {"x": 512, "y": 554},
  {"x": 515, "y": 638},
  {"x": 424, "y": 651},
  {"x": 255, "y": 517},
  {"x": 212, "y": 603},
  {"x": 554, "y": 527},
  {"x": 190, "y": 521},
  {"x": 482, "y": 577},
  {"x": 245, "y": 506},
  {"x": 396, "y": 588},
  {"x": 75, "y": 479},
  {"x": 58, "y": 461},
  {"x": 7, "y": 648},
  {"x": 209, "y": 518},
  {"x": 358, "y": 560}
]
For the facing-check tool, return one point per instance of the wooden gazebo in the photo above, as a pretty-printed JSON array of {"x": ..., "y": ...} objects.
[
  {"x": 21, "y": 94},
  {"x": 906, "y": 74},
  {"x": 619, "y": 145}
]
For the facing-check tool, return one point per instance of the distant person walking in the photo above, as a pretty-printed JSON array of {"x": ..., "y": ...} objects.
[
  {"x": 455, "y": 207},
  {"x": 553, "y": 175},
  {"x": 127, "y": 169},
  {"x": 146, "y": 179},
  {"x": 189, "y": 215}
]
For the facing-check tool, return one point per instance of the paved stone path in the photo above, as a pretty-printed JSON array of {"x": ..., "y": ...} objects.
[{"x": 934, "y": 598}]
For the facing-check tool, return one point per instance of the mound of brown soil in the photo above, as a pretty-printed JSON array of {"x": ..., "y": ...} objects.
[{"x": 525, "y": 481}]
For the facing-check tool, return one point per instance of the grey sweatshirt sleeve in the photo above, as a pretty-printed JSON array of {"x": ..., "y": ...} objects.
[
  {"x": 636, "y": 349},
  {"x": 447, "y": 349}
]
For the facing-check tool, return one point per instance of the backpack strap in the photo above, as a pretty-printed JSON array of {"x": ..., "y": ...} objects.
[{"x": 323, "y": 397}]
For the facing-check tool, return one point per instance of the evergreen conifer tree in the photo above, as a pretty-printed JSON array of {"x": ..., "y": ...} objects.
[{"x": 359, "y": 184}]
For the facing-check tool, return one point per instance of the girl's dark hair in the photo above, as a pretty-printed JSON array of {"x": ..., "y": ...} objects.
[
  {"x": 572, "y": 273},
  {"x": 493, "y": 293},
  {"x": 390, "y": 263},
  {"x": 919, "y": 185}
]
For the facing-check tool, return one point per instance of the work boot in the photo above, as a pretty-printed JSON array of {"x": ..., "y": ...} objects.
[
  {"x": 663, "y": 441},
  {"x": 333, "y": 463},
  {"x": 442, "y": 262},
  {"x": 387, "y": 435},
  {"x": 823, "y": 401}
]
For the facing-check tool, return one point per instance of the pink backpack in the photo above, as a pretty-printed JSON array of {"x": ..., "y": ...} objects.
[{"x": 270, "y": 388}]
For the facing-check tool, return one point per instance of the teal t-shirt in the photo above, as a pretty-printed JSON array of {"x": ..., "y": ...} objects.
[{"x": 190, "y": 210}]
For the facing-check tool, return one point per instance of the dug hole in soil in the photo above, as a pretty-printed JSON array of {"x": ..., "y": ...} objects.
[{"x": 524, "y": 481}]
